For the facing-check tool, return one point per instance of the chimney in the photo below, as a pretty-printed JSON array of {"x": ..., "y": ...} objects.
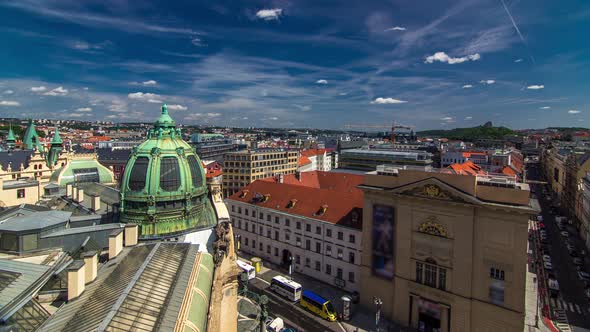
[
  {"x": 91, "y": 266},
  {"x": 298, "y": 175},
  {"x": 69, "y": 190},
  {"x": 74, "y": 194},
  {"x": 115, "y": 243},
  {"x": 80, "y": 195},
  {"x": 131, "y": 233},
  {"x": 94, "y": 202},
  {"x": 281, "y": 178},
  {"x": 76, "y": 279}
]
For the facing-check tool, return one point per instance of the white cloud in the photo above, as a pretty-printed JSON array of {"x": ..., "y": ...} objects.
[
  {"x": 59, "y": 91},
  {"x": 273, "y": 118},
  {"x": 85, "y": 88},
  {"x": 147, "y": 97},
  {"x": 197, "y": 41},
  {"x": 38, "y": 88},
  {"x": 387, "y": 101},
  {"x": 396, "y": 29},
  {"x": 8, "y": 92},
  {"x": 321, "y": 82},
  {"x": 443, "y": 57},
  {"x": 535, "y": 87},
  {"x": 149, "y": 83},
  {"x": 9, "y": 103},
  {"x": 447, "y": 118},
  {"x": 303, "y": 108},
  {"x": 518, "y": 60},
  {"x": 468, "y": 117},
  {"x": 176, "y": 107},
  {"x": 573, "y": 111},
  {"x": 467, "y": 86},
  {"x": 269, "y": 14},
  {"x": 343, "y": 93},
  {"x": 545, "y": 107},
  {"x": 83, "y": 109},
  {"x": 488, "y": 82}
]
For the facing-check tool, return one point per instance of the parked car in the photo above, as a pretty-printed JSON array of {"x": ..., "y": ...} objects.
[
  {"x": 578, "y": 261},
  {"x": 546, "y": 258},
  {"x": 583, "y": 276},
  {"x": 564, "y": 234},
  {"x": 547, "y": 265}
]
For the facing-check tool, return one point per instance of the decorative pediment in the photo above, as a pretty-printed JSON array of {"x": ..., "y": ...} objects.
[{"x": 433, "y": 188}]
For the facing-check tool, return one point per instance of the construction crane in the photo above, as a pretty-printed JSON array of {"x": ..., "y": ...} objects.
[{"x": 393, "y": 127}]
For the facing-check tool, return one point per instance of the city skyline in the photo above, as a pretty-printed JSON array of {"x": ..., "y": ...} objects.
[{"x": 297, "y": 64}]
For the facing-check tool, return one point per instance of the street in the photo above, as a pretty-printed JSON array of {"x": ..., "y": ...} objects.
[{"x": 571, "y": 305}]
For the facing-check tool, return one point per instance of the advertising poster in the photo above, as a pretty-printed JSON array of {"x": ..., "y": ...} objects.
[{"x": 383, "y": 241}]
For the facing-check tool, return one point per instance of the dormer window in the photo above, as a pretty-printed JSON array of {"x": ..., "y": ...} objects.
[
  {"x": 322, "y": 210},
  {"x": 292, "y": 203},
  {"x": 266, "y": 198},
  {"x": 244, "y": 193}
]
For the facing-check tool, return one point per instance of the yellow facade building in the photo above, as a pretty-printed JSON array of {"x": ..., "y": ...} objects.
[
  {"x": 445, "y": 252},
  {"x": 244, "y": 167}
]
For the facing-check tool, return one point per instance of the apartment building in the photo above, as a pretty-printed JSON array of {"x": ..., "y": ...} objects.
[
  {"x": 241, "y": 168},
  {"x": 369, "y": 159},
  {"x": 445, "y": 252},
  {"x": 312, "y": 221}
]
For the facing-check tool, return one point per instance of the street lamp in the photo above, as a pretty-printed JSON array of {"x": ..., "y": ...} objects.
[
  {"x": 290, "y": 260},
  {"x": 377, "y": 301}
]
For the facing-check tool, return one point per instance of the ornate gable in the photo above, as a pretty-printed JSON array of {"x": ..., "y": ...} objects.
[{"x": 433, "y": 188}]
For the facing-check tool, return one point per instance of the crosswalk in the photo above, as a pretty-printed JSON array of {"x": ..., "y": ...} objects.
[
  {"x": 561, "y": 304},
  {"x": 561, "y": 321}
]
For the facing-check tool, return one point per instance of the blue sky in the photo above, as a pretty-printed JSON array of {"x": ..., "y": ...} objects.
[{"x": 321, "y": 64}]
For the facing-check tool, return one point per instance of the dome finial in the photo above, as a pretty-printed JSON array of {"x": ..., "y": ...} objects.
[{"x": 164, "y": 109}]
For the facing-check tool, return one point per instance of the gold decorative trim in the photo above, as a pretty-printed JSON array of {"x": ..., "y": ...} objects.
[{"x": 432, "y": 227}]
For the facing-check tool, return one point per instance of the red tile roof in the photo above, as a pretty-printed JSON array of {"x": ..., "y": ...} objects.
[
  {"x": 313, "y": 152},
  {"x": 303, "y": 160},
  {"x": 342, "y": 208},
  {"x": 467, "y": 168},
  {"x": 341, "y": 182},
  {"x": 212, "y": 170}
]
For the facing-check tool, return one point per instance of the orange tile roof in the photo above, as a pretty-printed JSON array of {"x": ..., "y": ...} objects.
[
  {"x": 341, "y": 208},
  {"x": 312, "y": 152},
  {"x": 508, "y": 171},
  {"x": 213, "y": 169},
  {"x": 467, "y": 168},
  {"x": 342, "y": 182},
  {"x": 303, "y": 160}
]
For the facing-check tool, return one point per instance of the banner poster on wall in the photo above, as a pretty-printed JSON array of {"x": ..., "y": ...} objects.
[{"x": 383, "y": 241}]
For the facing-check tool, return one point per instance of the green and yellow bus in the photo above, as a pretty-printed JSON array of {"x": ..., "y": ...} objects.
[{"x": 318, "y": 305}]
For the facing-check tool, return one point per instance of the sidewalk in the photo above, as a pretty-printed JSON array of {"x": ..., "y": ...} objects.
[{"x": 362, "y": 320}]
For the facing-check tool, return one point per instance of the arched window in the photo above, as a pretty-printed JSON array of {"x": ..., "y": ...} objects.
[
  {"x": 196, "y": 173},
  {"x": 169, "y": 174},
  {"x": 138, "y": 174}
]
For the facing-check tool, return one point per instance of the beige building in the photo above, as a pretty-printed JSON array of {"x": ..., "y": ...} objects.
[
  {"x": 244, "y": 167},
  {"x": 445, "y": 252}
]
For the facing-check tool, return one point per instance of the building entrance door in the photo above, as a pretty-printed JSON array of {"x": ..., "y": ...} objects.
[
  {"x": 429, "y": 316},
  {"x": 287, "y": 258}
]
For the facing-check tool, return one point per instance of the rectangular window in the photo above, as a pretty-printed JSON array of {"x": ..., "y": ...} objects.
[
  {"x": 328, "y": 250},
  {"x": 254, "y": 244},
  {"x": 307, "y": 227},
  {"x": 268, "y": 249},
  {"x": 318, "y": 247},
  {"x": 419, "y": 272},
  {"x": 276, "y": 220},
  {"x": 307, "y": 244},
  {"x": 268, "y": 217},
  {"x": 298, "y": 241},
  {"x": 318, "y": 230},
  {"x": 239, "y": 223},
  {"x": 339, "y": 273},
  {"x": 261, "y": 230},
  {"x": 245, "y": 212},
  {"x": 233, "y": 208},
  {"x": 253, "y": 228},
  {"x": 287, "y": 222},
  {"x": 240, "y": 210},
  {"x": 351, "y": 276},
  {"x": 351, "y": 238},
  {"x": 277, "y": 235},
  {"x": 351, "y": 257},
  {"x": 260, "y": 246},
  {"x": 297, "y": 259},
  {"x": 277, "y": 252},
  {"x": 328, "y": 269},
  {"x": 318, "y": 266},
  {"x": 298, "y": 225},
  {"x": 340, "y": 253},
  {"x": 307, "y": 262},
  {"x": 430, "y": 275},
  {"x": 261, "y": 215},
  {"x": 340, "y": 235},
  {"x": 496, "y": 274},
  {"x": 442, "y": 278},
  {"x": 287, "y": 237},
  {"x": 246, "y": 241},
  {"x": 328, "y": 232}
]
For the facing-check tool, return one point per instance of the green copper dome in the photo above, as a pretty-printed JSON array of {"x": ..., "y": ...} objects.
[{"x": 163, "y": 188}]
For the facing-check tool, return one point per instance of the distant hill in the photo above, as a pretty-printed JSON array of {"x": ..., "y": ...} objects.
[{"x": 470, "y": 134}]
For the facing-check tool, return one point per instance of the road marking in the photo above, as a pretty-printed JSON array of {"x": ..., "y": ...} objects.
[
  {"x": 572, "y": 307},
  {"x": 578, "y": 309},
  {"x": 264, "y": 281},
  {"x": 341, "y": 327}
]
